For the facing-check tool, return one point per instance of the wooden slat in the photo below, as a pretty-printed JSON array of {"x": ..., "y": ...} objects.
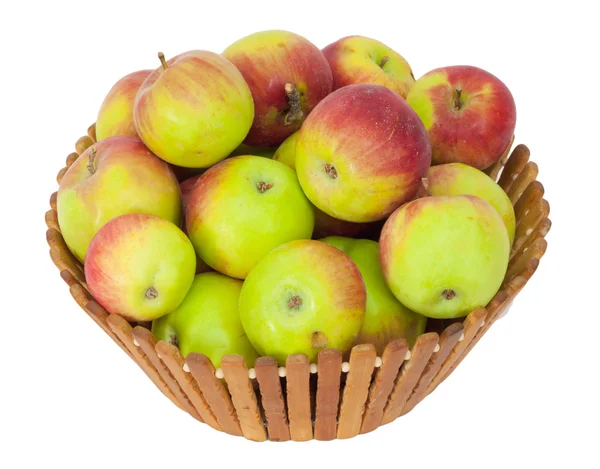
[
  {"x": 83, "y": 144},
  {"x": 243, "y": 397},
  {"x": 60, "y": 175},
  {"x": 526, "y": 260},
  {"x": 68, "y": 277},
  {"x": 267, "y": 375},
  {"x": 91, "y": 131},
  {"x": 362, "y": 363},
  {"x": 298, "y": 397},
  {"x": 71, "y": 158},
  {"x": 392, "y": 360},
  {"x": 494, "y": 170},
  {"x": 448, "y": 341},
  {"x": 539, "y": 211},
  {"x": 409, "y": 375},
  {"x": 52, "y": 220},
  {"x": 526, "y": 177},
  {"x": 328, "y": 394},
  {"x": 53, "y": 198},
  {"x": 62, "y": 257},
  {"x": 171, "y": 357},
  {"x": 147, "y": 342},
  {"x": 531, "y": 195},
  {"x": 540, "y": 231},
  {"x": 214, "y": 392},
  {"x": 515, "y": 164}
]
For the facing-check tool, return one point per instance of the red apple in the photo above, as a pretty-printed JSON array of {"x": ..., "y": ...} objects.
[
  {"x": 287, "y": 76},
  {"x": 469, "y": 113}
]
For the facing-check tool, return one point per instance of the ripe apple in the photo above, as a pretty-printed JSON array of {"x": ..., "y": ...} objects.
[
  {"x": 444, "y": 256},
  {"x": 287, "y": 75},
  {"x": 140, "y": 266},
  {"x": 109, "y": 179},
  {"x": 194, "y": 110},
  {"x": 386, "y": 319},
  {"x": 208, "y": 321},
  {"x": 115, "y": 118},
  {"x": 469, "y": 113},
  {"x": 362, "y": 153},
  {"x": 186, "y": 189},
  {"x": 357, "y": 59},
  {"x": 244, "y": 207},
  {"x": 286, "y": 152},
  {"x": 300, "y": 298},
  {"x": 458, "y": 179}
]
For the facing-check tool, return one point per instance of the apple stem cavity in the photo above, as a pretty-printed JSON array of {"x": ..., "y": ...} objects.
[
  {"x": 161, "y": 56},
  {"x": 330, "y": 171},
  {"x": 263, "y": 186},
  {"x": 448, "y": 294},
  {"x": 295, "y": 302},
  {"x": 90, "y": 164},
  {"x": 294, "y": 112},
  {"x": 384, "y": 60},
  {"x": 151, "y": 293},
  {"x": 457, "y": 101}
]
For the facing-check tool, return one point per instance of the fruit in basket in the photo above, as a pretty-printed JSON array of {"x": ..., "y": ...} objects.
[
  {"x": 186, "y": 188},
  {"x": 244, "y": 207},
  {"x": 444, "y": 256},
  {"x": 115, "y": 118},
  {"x": 208, "y": 320},
  {"x": 109, "y": 179},
  {"x": 140, "y": 266},
  {"x": 358, "y": 59},
  {"x": 469, "y": 113},
  {"x": 194, "y": 110},
  {"x": 458, "y": 178},
  {"x": 362, "y": 153},
  {"x": 302, "y": 297},
  {"x": 326, "y": 225},
  {"x": 386, "y": 319},
  {"x": 286, "y": 152},
  {"x": 287, "y": 75}
]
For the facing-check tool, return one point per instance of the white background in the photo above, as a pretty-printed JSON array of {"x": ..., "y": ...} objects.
[{"x": 527, "y": 396}]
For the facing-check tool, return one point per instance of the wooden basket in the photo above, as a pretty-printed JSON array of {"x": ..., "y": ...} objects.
[{"x": 332, "y": 398}]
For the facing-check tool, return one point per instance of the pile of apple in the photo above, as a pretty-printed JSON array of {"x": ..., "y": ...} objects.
[{"x": 278, "y": 199}]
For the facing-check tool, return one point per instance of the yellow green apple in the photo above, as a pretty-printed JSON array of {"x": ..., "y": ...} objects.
[
  {"x": 458, "y": 178},
  {"x": 208, "y": 321},
  {"x": 300, "y": 298},
  {"x": 286, "y": 152},
  {"x": 115, "y": 118},
  {"x": 362, "y": 153},
  {"x": 469, "y": 113},
  {"x": 386, "y": 319},
  {"x": 194, "y": 110},
  {"x": 140, "y": 266},
  {"x": 244, "y": 207},
  {"x": 444, "y": 256},
  {"x": 109, "y": 179},
  {"x": 358, "y": 59},
  {"x": 186, "y": 188}
]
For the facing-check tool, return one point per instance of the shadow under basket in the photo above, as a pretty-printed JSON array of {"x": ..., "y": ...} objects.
[{"x": 332, "y": 398}]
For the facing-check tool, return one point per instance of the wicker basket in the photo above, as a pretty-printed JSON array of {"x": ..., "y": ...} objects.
[{"x": 330, "y": 399}]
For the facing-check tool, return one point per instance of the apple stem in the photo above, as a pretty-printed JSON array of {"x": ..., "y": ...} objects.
[
  {"x": 263, "y": 186},
  {"x": 151, "y": 293},
  {"x": 161, "y": 56},
  {"x": 294, "y": 112},
  {"x": 457, "y": 101},
  {"x": 384, "y": 60},
  {"x": 330, "y": 171},
  {"x": 91, "y": 159}
]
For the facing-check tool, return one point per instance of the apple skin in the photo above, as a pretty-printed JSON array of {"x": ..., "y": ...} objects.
[
  {"x": 269, "y": 60},
  {"x": 458, "y": 179},
  {"x": 244, "y": 149},
  {"x": 115, "y": 118},
  {"x": 358, "y": 59},
  {"x": 300, "y": 298},
  {"x": 375, "y": 143},
  {"x": 386, "y": 319},
  {"x": 244, "y": 207},
  {"x": 186, "y": 188},
  {"x": 195, "y": 112},
  {"x": 140, "y": 266},
  {"x": 477, "y": 129},
  {"x": 286, "y": 152},
  {"x": 208, "y": 321},
  {"x": 326, "y": 225},
  {"x": 124, "y": 169},
  {"x": 444, "y": 256}
]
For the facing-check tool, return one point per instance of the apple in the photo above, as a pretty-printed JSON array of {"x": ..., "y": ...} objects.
[
  {"x": 115, "y": 118},
  {"x": 244, "y": 207},
  {"x": 286, "y": 152},
  {"x": 386, "y": 319},
  {"x": 362, "y": 153},
  {"x": 300, "y": 298},
  {"x": 244, "y": 149},
  {"x": 287, "y": 75},
  {"x": 194, "y": 110},
  {"x": 186, "y": 188},
  {"x": 326, "y": 225},
  {"x": 444, "y": 256},
  {"x": 469, "y": 113},
  {"x": 140, "y": 266},
  {"x": 109, "y": 179},
  {"x": 208, "y": 321},
  {"x": 458, "y": 179},
  {"x": 358, "y": 59}
]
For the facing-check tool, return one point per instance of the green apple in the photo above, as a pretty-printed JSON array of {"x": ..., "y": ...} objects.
[
  {"x": 302, "y": 297},
  {"x": 244, "y": 207},
  {"x": 386, "y": 318},
  {"x": 140, "y": 266},
  {"x": 286, "y": 152},
  {"x": 459, "y": 178},
  {"x": 444, "y": 256},
  {"x": 208, "y": 321}
]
